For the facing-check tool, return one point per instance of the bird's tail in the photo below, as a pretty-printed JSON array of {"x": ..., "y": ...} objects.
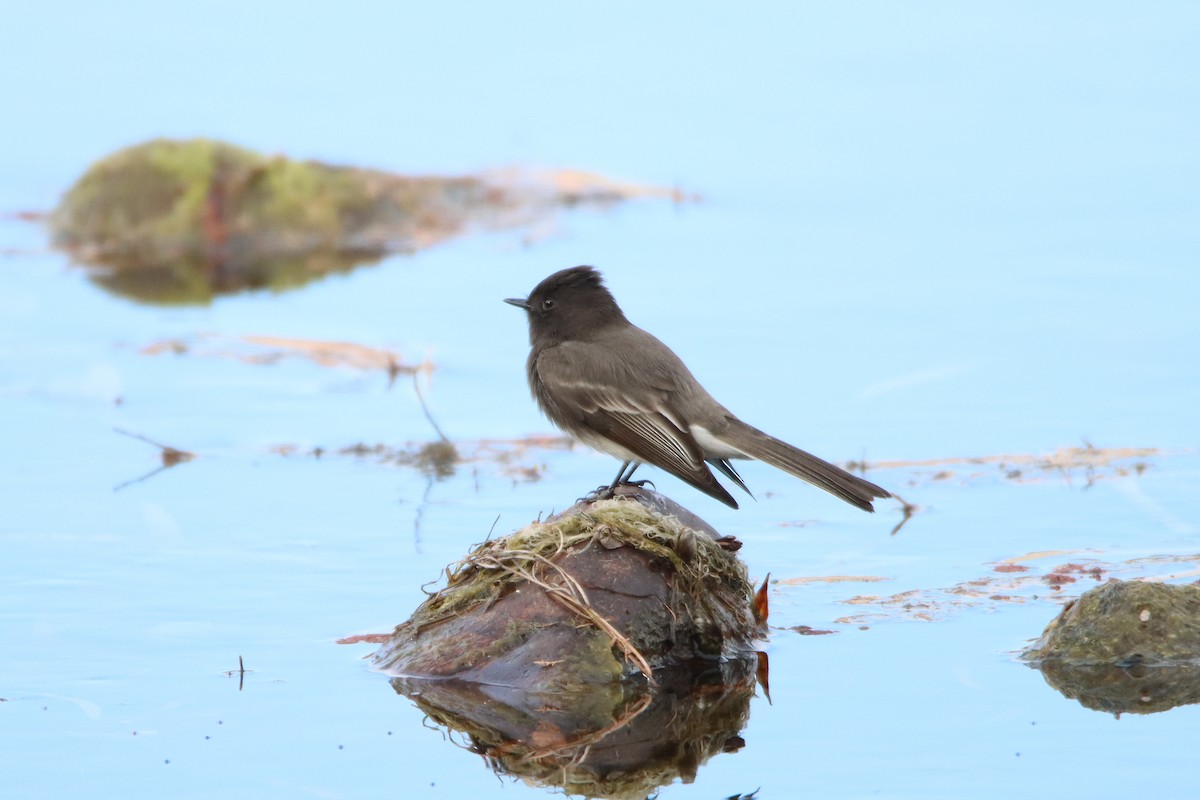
[{"x": 835, "y": 480}]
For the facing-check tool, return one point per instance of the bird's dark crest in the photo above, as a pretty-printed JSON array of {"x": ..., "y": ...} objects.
[
  {"x": 570, "y": 304},
  {"x": 581, "y": 276}
]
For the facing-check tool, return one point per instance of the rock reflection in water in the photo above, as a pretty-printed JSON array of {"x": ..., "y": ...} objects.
[
  {"x": 188, "y": 280},
  {"x": 1136, "y": 689},
  {"x": 622, "y": 740}
]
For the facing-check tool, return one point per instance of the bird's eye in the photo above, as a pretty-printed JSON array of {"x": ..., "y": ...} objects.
[{"x": 548, "y": 304}]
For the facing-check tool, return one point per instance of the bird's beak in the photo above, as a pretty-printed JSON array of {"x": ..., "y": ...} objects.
[{"x": 518, "y": 302}]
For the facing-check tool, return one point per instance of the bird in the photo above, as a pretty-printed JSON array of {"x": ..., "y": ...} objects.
[{"x": 618, "y": 389}]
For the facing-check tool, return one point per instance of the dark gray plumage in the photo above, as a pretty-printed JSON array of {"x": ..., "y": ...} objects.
[{"x": 620, "y": 390}]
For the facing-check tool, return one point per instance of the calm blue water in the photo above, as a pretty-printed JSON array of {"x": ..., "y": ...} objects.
[{"x": 930, "y": 230}]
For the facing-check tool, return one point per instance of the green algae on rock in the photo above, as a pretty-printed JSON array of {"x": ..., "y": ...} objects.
[
  {"x": 589, "y": 598},
  {"x": 182, "y": 221}
]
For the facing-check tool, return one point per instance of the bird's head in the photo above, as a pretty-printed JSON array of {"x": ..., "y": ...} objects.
[{"x": 570, "y": 304}]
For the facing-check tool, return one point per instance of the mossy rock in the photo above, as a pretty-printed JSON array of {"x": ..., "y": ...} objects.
[
  {"x": 180, "y": 221},
  {"x": 1125, "y": 647},
  {"x": 1125, "y": 623},
  {"x": 587, "y": 599}
]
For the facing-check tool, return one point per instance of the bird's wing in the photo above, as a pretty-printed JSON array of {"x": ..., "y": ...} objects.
[{"x": 629, "y": 409}]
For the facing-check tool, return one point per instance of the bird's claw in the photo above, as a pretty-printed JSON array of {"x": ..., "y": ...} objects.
[
  {"x": 608, "y": 492},
  {"x": 597, "y": 494}
]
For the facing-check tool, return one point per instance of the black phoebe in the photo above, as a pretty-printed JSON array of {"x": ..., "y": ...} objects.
[{"x": 618, "y": 389}]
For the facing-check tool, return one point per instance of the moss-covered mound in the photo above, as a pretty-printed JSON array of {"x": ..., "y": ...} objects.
[
  {"x": 1125, "y": 647},
  {"x": 1125, "y": 623},
  {"x": 587, "y": 599},
  {"x": 180, "y": 221}
]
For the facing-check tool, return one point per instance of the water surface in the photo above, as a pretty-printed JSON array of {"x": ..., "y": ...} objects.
[{"x": 928, "y": 232}]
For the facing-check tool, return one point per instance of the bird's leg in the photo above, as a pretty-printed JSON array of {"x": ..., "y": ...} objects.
[
  {"x": 607, "y": 492},
  {"x": 623, "y": 478}
]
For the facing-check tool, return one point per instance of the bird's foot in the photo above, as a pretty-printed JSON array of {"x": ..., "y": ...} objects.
[
  {"x": 609, "y": 491},
  {"x": 627, "y": 488}
]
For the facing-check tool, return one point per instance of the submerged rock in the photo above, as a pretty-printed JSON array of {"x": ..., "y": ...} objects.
[
  {"x": 175, "y": 221},
  {"x": 1125, "y": 647},
  {"x": 588, "y": 599}
]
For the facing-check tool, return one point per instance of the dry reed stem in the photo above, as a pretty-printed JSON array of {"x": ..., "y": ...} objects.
[{"x": 570, "y": 595}]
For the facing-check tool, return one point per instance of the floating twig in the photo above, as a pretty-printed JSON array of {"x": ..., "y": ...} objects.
[
  {"x": 170, "y": 457},
  {"x": 240, "y": 672},
  {"x": 909, "y": 510},
  {"x": 424, "y": 407}
]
